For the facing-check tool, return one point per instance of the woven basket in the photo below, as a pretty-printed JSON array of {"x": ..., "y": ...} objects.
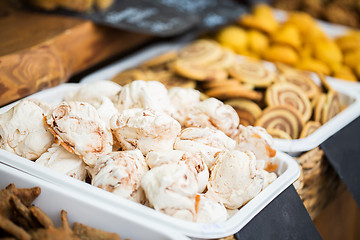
[{"x": 319, "y": 183}]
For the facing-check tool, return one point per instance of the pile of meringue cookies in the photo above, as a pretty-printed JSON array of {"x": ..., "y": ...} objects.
[{"x": 166, "y": 149}]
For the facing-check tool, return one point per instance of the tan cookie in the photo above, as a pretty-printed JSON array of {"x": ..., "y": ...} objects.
[
  {"x": 239, "y": 91},
  {"x": 309, "y": 128},
  {"x": 284, "y": 117},
  {"x": 130, "y": 75},
  {"x": 284, "y": 93},
  {"x": 324, "y": 83},
  {"x": 302, "y": 80},
  {"x": 199, "y": 72},
  {"x": 247, "y": 110},
  {"x": 332, "y": 106},
  {"x": 252, "y": 72},
  {"x": 226, "y": 60},
  {"x": 160, "y": 60},
  {"x": 201, "y": 52},
  {"x": 278, "y": 133},
  {"x": 319, "y": 108}
]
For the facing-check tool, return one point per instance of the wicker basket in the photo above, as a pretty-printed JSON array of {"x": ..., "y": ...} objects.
[{"x": 319, "y": 184}]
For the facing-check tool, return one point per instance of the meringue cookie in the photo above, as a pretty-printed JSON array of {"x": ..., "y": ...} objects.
[
  {"x": 144, "y": 94},
  {"x": 145, "y": 129},
  {"x": 209, "y": 211},
  {"x": 183, "y": 99},
  {"x": 106, "y": 110},
  {"x": 22, "y": 130},
  {"x": 213, "y": 113},
  {"x": 120, "y": 173},
  {"x": 60, "y": 160},
  {"x": 93, "y": 92},
  {"x": 256, "y": 140},
  {"x": 235, "y": 180},
  {"x": 81, "y": 131},
  {"x": 205, "y": 141},
  {"x": 171, "y": 189},
  {"x": 194, "y": 161}
]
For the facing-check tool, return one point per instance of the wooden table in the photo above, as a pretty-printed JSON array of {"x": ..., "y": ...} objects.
[{"x": 42, "y": 50}]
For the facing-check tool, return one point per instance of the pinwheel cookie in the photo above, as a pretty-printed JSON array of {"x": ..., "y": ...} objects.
[
  {"x": 283, "y": 117},
  {"x": 252, "y": 72},
  {"x": 309, "y": 128},
  {"x": 247, "y": 110},
  {"x": 289, "y": 94}
]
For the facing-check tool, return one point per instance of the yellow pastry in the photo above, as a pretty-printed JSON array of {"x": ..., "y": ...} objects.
[
  {"x": 344, "y": 72},
  {"x": 281, "y": 53},
  {"x": 327, "y": 52},
  {"x": 313, "y": 65},
  {"x": 263, "y": 19},
  {"x": 352, "y": 58},
  {"x": 233, "y": 37},
  {"x": 258, "y": 41},
  {"x": 349, "y": 41},
  {"x": 303, "y": 21},
  {"x": 288, "y": 34}
]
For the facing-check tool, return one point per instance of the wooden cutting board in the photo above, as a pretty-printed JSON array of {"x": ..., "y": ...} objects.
[{"x": 38, "y": 50}]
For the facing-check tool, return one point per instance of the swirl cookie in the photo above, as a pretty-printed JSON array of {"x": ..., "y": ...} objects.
[
  {"x": 239, "y": 91},
  {"x": 309, "y": 128},
  {"x": 201, "y": 52},
  {"x": 199, "y": 72},
  {"x": 332, "y": 106},
  {"x": 318, "y": 110},
  {"x": 247, "y": 110},
  {"x": 289, "y": 94},
  {"x": 129, "y": 75},
  {"x": 160, "y": 59},
  {"x": 284, "y": 117},
  {"x": 278, "y": 133},
  {"x": 252, "y": 72},
  {"x": 298, "y": 78}
]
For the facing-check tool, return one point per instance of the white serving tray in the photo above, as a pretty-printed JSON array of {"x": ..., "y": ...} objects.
[
  {"x": 288, "y": 171},
  {"x": 349, "y": 92},
  {"x": 92, "y": 212}
]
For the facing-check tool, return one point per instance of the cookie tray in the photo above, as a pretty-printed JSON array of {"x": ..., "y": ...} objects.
[
  {"x": 349, "y": 93},
  {"x": 288, "y": 171},
  {"x": 94, "y": 213}
]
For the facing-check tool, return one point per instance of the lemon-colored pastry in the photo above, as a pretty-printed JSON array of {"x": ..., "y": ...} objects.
[
  {"x": 284, "y": 93},
  {"x": 327, "y": 52},
  {"x": 352, "y": 58},
  {"x": 258, "y": 41},
  {"x": 281, "y": 53},
  {"x": 233, "y": 37},
  {"x": 313, "y": 65},
  {"x": 344, "y": 72},
  {"x": 288, "y": 34},
  {"x": 303, "y": 21},
  {"x": 263, "y": 19},
  {"x": 349, "y": 41}
]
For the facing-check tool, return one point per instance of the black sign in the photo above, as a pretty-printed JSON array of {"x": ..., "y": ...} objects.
[
  {"x": 163, "y": 17},
  {"x": 284, "y": 218},
  {"x": 343, "y": 152}
]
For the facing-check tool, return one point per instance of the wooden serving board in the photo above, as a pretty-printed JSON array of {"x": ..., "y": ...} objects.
[{"x": 38, "y": 51}]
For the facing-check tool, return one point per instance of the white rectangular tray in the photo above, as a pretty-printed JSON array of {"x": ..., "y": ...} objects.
[
  {"x": 349, "y": 93},
  {"x": 80, "y": 208},
  {"x": 288, "y": 172}
]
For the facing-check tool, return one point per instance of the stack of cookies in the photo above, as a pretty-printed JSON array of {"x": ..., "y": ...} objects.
[{"x": 285, "y": 101}]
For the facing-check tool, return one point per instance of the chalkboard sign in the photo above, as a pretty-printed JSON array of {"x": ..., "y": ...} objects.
[
  {"x": 163, "y": 17},
  {"x": 284, "y": 218},
  {"x": 343, "y": 151}
]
